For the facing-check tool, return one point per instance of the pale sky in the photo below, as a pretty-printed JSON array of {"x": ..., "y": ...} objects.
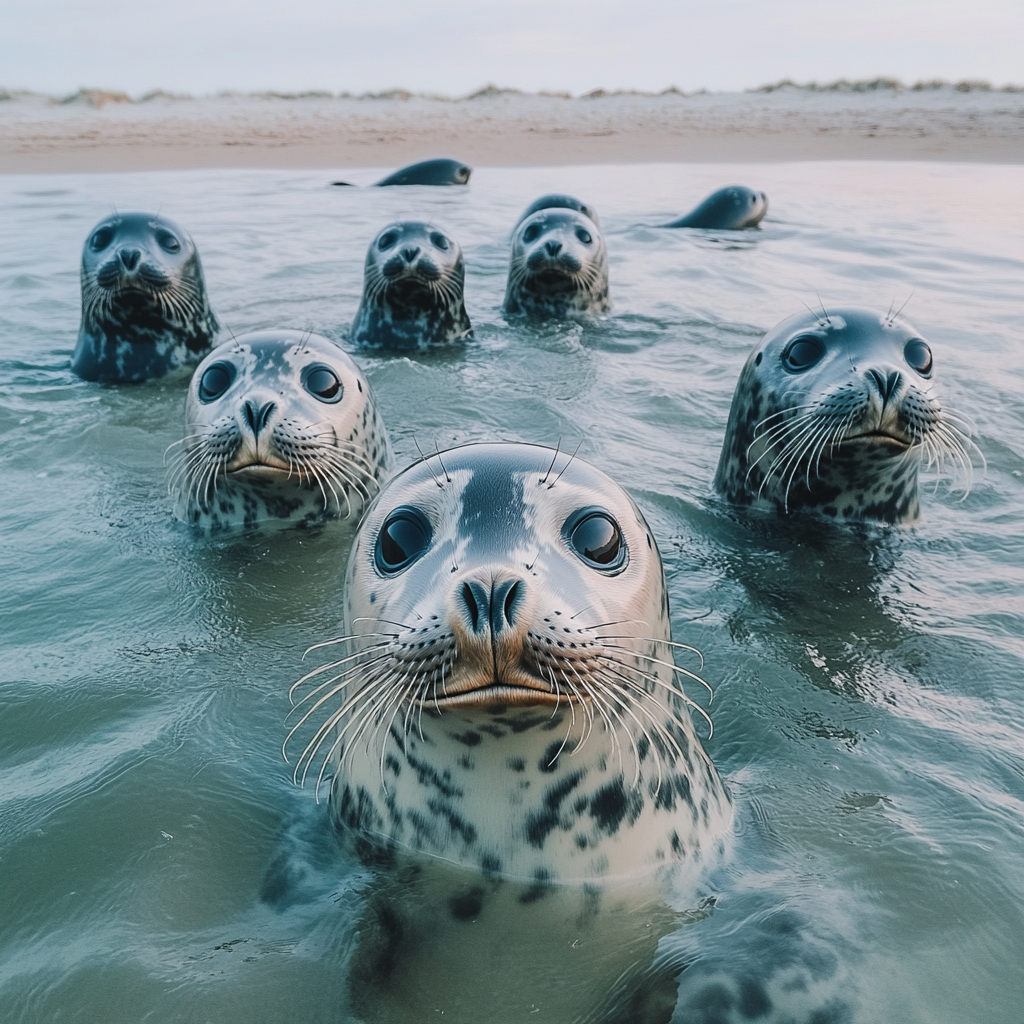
[{"x": 455, "y": 46}]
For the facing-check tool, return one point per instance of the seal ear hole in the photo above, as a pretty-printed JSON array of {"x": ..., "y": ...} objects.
[
  {"x": 167, "y": 241},
  {"x": 597, "y": 538},
  {"x": 802, "y": 353},
  {"x": 439, "y": 241},
  {"x": 532, "y": 233},
  {"x": 101, "y": 239},
  {"x": 215, "y": 381},
  {"x": 322, "y": 383},
  {"x": 404, "y": 536},
  {"x": 918, "y": 356},
  {"x": 387, "y": 240},
  {"x": 584, "y": 236}
]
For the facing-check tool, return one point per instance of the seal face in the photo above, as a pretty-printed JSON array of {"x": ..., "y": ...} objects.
[
  {"x": 430, "y": 172},
  {"x": 144, "y": 305},
  {"x": 280, "y": 427},
  {"x": 732, "y": 208},
  {"x": 412, "y": 290},
  {"x": 510, "y": 704},
  {"x": 833, "y": 414},
  {"x": 558, "y": 266}
]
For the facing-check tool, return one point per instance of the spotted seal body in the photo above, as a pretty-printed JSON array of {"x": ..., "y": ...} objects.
[
  {"x": 144, "y": 305},
  {"x": 412, "y": 290},
  {"x": 833, "y": 414},
  {"x": 729, "y": 209},
  {"x": 558, "y": 266},
  {"x": 280, "y": 428}
]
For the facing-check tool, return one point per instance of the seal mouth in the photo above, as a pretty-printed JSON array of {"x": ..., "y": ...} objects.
[
  {"x": 496, "y": 694},
  {"x": 259, "y": 471},
  {"x": 879, "y": 437}
]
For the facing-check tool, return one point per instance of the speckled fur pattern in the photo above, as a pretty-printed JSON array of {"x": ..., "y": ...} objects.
[
  {"x": 145, "y": 310},
  {"x": 845, "y": 437},
  {"x": 558, "y": 266},
  {"x": 267, "y": 450},
  {"x": 412, "y": 291}
]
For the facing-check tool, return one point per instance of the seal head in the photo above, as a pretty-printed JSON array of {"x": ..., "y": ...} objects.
[
  {"x": 412, "y": 290},
  {"x": 558, "y": 266},
  {"x": 732, "y": 208},
  {"x": 509, "y": 703},
  {"x": 558, "y": 200},
  {"x": 280, "y": 428},
  {"x": 144, "y": 305},
  {"x": 833, "y": 414},
  {"x": 430, "y": 172}
]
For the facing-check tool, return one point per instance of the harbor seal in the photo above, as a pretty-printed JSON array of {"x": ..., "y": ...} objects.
[
  {"x": 729, "y": 209},
  {"x": 144, "y": 305},
  {"x": 510, "y": 743},
  {"x": 558, "y": 265},
  {"x": 426, "y": 172},
  {"x": 412, "y": 290},
  {"x": 559, "y": 200},
  {"x": 280, "y": 428},
  {"x": 834, "y": 413}
]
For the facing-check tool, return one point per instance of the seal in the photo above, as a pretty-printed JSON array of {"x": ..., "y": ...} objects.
[
  {"x": 412, "y": 290},
  {"x": 558, "y": 265},
  {"x": 426, "y": 172},
  {"x": 833, "y": 414},
  {"x": 280, "y": 428},
  {"x": 144, "y": 306},
  {"x": 559, "y": 200},
  {"x": 509, "y": 738},
  {"x": 729, "y": 209}
]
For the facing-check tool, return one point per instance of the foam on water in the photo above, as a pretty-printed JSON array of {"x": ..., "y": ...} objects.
[{"x": 868, "y": 710}]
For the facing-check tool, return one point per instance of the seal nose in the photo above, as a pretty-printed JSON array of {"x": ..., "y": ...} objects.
[
  {"x": 410, "y": 254},
  {"x": 256, "y": 415},
  {"x": 496, "y": 607},
  {"x": 887, "y": 383},
  {"x": 553, "y": 248},
  {"x": 130, "y": 258}
]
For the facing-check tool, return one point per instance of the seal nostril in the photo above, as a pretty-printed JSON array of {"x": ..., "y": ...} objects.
[
  {"x": 892, "y": 383},
  {"x": 130, "y": 258},
  {"x": 410, "y": 254},
  {"x": 510, "y": 601},
  {"x": 471, "y": 604},
  {"x": 553, "y": 247}
]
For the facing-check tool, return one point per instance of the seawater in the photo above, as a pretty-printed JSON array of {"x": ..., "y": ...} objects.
[{"x": 869, "y": 684}]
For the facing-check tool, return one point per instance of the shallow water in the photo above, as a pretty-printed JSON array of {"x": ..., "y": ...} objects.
[{"x": 868, "y": 710}]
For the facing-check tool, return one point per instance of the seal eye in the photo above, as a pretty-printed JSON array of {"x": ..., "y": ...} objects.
[
  {"x": 323, "y": 383},
  {"x": 584, "y": 236},
  {"x": 802, "y": 353},
  {"x": 597, "y": 539},
  {"x": 215, "y": 381},
  {"x": 387, "y": 240},
  {"x": 404, "y": 536},
  {"x": 101, "y": 239},
  {"x": 918, "y": 356},
  {"x": 440, "y": 241},
  {"x": 167, "y": 241},
  {"x": 532, "y": 233}
]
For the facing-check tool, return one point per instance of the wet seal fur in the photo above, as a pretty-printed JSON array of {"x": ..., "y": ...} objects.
[
  {"x": 510, "y": 744},
  {"x": 412, "y": 290},
  {"x": 559, "y": 200},
  {"x": 280, "y": 428},
  {"x": 145, "y": 310},
  {"x": 732, "y": 208},
  {"x": 558, "y": 263},
  {"x": 427, "y": 172},
  {"x": 834, "y": 414}
]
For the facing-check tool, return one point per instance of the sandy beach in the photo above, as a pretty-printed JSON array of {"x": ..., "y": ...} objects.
[{"x": 108, "y": 132}]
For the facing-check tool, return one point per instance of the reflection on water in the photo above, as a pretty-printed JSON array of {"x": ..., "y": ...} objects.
[{"x": 157, "y": 863}]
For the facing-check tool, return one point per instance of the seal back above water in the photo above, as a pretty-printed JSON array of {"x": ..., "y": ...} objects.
[
  {"x": 280, "y": 428},
  {"x": 732, "y": 208},
  {"x": 558, "y": 265},
  {"x": 412, "y": 290},
  {"x": 506, "y": 699},
  {"x": 834, "y": 414},
  {"x": 144, "y": 306}
]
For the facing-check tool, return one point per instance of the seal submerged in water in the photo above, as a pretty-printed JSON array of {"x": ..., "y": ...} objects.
[
  {"x": 427, "y": 172},
  {"x": 732, "y": 208},
  {"x": 412, "y": 290},
  {"x": 144, "y": 305},
  {"x": 834, "y": 414},
  {"x": 558, "y": 264},
  {"x": 510, "y": 740},
  {"x": 280, "y": 427}
]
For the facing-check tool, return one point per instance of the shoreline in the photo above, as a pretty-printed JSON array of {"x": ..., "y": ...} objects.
[{"x": 510, "y": 130}]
